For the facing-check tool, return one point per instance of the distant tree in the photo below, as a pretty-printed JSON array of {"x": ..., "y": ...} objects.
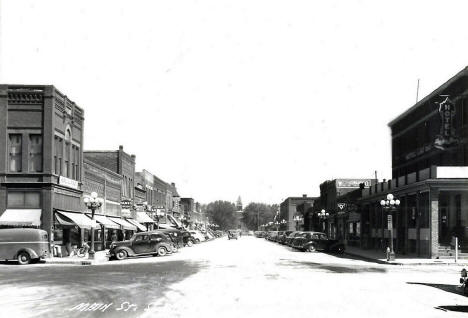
[
  {"x": 256, "y": 214},
  {"x": 222, "y": 213}
]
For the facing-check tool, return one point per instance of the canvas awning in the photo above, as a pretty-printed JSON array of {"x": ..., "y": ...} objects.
[
  {"x": 141, "y": 227},
  {"x": 105, "y": 221},
  {"x": 74, "y": 218},
  {"x": 124, "y": 224},
  {"x": 21, "y": 217},
  {"x": 142, "y": 217}
]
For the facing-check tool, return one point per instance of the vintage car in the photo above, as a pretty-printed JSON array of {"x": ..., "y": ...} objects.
[
  {"x": 143, "y": 243},
  {"x": 198, "y": 236},
  {"x": 282, "y": 238},
  {"x": 233, "y": 234},
  {"x": 23, "y": 245},
  {"x": 289, "y": 239},
  {"x": 317, "y": 241},
  {"x": 176, "y": 237}
]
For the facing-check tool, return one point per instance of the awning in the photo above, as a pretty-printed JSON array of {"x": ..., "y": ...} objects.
[
  {"x": 125, "y": 225},
  {"x": 105, "y": 222},
  {"x": 21, "y": 217},
  {"x": 142, "y": 217},
  {"x": 141, "y": 227},
  {"x": 72, "y": 218}
]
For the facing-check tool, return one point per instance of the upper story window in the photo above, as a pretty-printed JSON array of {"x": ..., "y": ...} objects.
[
  {"x": 58, "y": 145},
  {"x": 21, "y": 199},
  {"x": 35, "y": 153},
  {"x": 15, "y": 152}
]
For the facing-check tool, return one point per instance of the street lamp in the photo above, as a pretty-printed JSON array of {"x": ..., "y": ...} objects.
[
  {"x": 93, "y": 203},
  {"x": 297, "y": 218},
  {"x": 391, "y": 204},
  {"x": 322, "y": 216}
]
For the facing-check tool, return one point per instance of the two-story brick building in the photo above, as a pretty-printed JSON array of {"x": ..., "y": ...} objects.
[{"x": 41, "y": 142}]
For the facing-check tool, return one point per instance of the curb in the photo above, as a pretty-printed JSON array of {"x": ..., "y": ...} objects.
[
  {"x": 378, "y": 261},
  {"x": 76, "y": 262}
]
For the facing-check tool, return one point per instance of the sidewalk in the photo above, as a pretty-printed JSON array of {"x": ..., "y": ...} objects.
[
  {"x": 380, "y": 257},
  {"x": 99, "y": 258}
]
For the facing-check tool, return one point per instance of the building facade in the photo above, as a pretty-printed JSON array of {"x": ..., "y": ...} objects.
[
  {"x": 331, "y": 194},
  {"x": 41, "y": 171},
  {"x": 297, "y": 206},
  {"x": 429, "y": 177},
  {"x": 123, "y": 164}
]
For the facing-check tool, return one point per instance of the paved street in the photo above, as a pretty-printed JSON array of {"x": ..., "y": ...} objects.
[{"x": 250, "y": 277}]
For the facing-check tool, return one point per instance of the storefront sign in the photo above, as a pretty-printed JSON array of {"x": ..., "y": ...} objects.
[
  {"x": 70, "y": 183},
  {"x": 345, "y": 183},
  {"x": 126, "y": 204},
  {"x": 446, "y": 138}
]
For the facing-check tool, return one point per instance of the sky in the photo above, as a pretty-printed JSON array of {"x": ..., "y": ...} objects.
[{"x": 258, "y": 99}]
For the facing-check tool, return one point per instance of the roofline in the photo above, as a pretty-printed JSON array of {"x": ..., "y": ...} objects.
[{"x": 426, "y": 99}]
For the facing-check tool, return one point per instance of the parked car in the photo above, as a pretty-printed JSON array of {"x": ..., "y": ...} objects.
[
  {"x": 143, "y": 243},
  {"x": 233, "y": 235},
  {"x": 282, "y": 239},
  {"x": 272, "y": 235},
  {"x": 291, "y": 237},
  {"x": 199, "y": 236},
  {"x": 23, "y": 245},
  {"x": 175, "y": 235},
  {"x": 317, "y": 241}
]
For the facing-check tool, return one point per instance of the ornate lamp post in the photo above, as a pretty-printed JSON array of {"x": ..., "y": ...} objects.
[
  {"x": 297, "y": 218},
  {"x": 391, "y": 204},
  {"x": 284, "y": 222},
  {"x": 323, "y": 216},
  {"x": 93, "y": 203}
]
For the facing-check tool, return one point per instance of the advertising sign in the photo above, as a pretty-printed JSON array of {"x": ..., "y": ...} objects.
[
  {"x": 68, "y": 182},
  {"x": 446, "y": 137},
  {"x": 352, "y": 183}
]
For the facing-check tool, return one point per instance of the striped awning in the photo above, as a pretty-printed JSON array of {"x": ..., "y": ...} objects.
[
  {"x": 124, "y": 224},
  {"x": 105, "y": 221},
  {"x": 141, "y": 227},
  {"x": 74, "y": 218},
  {"x": 21, "y": 217},
  {"x": 142, "y": 217}
]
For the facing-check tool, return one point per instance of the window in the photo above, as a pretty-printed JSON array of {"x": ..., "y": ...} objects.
[
  {"x": 15, "y": 156},
  {"x": 66, "y": 166},
  {"x": 58, "y": 145},
  {"x": 20, "y": 199},
  {"x": 35, "y": 153}
]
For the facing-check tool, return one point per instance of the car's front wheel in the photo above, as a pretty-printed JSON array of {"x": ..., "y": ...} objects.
[
  {"x": 189, "y": 243},
  {"x": 311, "y": 248},
  {"x": 162, "y": 251},
  {"x": 121, "y": 255},
  {"x": 24, "y": 258}
]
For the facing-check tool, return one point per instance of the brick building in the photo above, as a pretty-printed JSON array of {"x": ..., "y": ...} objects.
[
  {"x": 41, "y": 142},
  {"x": 297, "y": 206},
  {"x": 331, "y": 194},
  {"x": 429, "y": 176},
  {"x": 123, "y": 164}
]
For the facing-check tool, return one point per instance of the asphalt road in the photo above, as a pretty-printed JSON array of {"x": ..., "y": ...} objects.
[{"x": 249, "y": 277}]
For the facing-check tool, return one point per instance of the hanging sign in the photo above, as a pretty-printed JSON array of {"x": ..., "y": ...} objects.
[{"x": 446, "y": 137}]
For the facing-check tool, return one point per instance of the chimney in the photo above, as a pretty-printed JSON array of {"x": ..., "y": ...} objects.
[
  {"x": 121, "y": 147},
  {"x": 304, "y": 195},
  {"x": 173, "y": 184},
  {"x": 133, "y": 157}
]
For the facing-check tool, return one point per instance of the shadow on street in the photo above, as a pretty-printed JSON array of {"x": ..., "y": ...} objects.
[
  {"x": 458, "y": 308},
  {"x": 444, "y": 287},
  {"x": 335, "y": 268}
]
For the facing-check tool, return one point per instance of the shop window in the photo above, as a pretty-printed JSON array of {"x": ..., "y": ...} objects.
[
  {"x": 35, "y": 153},
  {"x": 15, "y": 153},
  {"x": 20, "y": 199}
]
